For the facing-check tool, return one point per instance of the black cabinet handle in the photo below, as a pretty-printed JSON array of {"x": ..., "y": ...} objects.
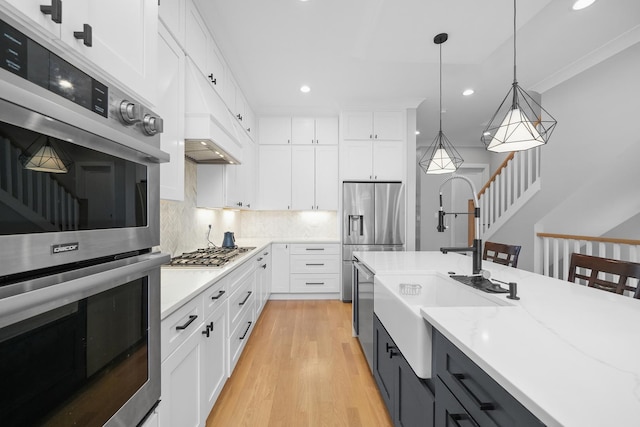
[
  {"x": 314, "y": 249},
  {"x": 314, "y": 283},
  {"x": 85, "y": 35},
  {"x": 314, "y": 264},
  {"x": 264, "y": 266},
  {"x": 55, "y": 10},
  {"x": 484, "y": 406},
  {"x": 214, "y": 81},
  {"x": 220, "y": 293},
  {"x": 266, "y": 253},
  {"x": 259, "y": 259},
  {"x": 464, "y": 418},
  {"x": 246, "y": 330},
  {"x": 186, "y": 325},
  {"x": 246, "y": 298},
  {"x": 208, "y": 330}
]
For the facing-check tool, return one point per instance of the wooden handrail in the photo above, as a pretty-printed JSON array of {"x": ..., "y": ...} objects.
[
  {"x": 496, "y": 173},
  {"x": 590, "y": 238}
]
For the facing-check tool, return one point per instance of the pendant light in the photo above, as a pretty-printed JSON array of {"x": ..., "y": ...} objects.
[
  {"x": 440, "y": 157},
  {"x": 46, "y": 158},
  {"x": 520, "y": 124}
]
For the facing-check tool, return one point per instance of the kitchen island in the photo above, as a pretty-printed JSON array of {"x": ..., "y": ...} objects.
[{"x": 567, "y": 353}]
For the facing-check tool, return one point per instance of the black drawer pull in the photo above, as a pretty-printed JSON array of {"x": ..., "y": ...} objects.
[
  {"x": 246, "y": 330},
  {"x": 259, "y": 259},
  {"x": 484, "y": 406},
  {"x": 220, "y": 293},
  {"x": 312, "y": 264},
  {"x": 246, "y": 298},
  {"x": 266, "y": 253},
  {"x": 315, "y": 249},
  {"x": 314, "y": 283},
  {"x": 55, "y": 10},
  {"x": 86, "y": 35},
  {"x": 186, "y": 325},
  {"x": 464, "y": 418},
  {"x": 264, "y": 266}
]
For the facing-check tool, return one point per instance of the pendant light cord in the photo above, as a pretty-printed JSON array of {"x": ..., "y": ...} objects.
[
  {"x": 440, "y": 87},
  {"x": 514, "y": 42}
]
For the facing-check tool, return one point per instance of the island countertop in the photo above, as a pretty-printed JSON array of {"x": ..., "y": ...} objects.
[{"x": 568, "y": 353}]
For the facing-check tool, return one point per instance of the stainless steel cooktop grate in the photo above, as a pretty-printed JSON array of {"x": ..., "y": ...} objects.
[{"x": 209, "y": 257}]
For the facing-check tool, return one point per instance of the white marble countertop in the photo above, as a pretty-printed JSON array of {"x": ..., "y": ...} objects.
[
  {"x": 568, "y": 353},
  {"x": 181, "y": 284}
]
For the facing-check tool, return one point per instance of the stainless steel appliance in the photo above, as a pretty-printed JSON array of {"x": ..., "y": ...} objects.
[
  {"x": 209, "y": 257},
  {"x": 373, "y": 220},
  {"x": 79, "y": 214},
  {"x": 80, "y": 162},
  {"x": 363, "y": 308}
]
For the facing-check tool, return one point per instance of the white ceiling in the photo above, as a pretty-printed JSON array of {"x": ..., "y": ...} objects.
[{"x": 362, "y": 53}]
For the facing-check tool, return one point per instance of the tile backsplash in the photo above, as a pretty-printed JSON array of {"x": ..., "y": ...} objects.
[{"x": 184, "y": 227}]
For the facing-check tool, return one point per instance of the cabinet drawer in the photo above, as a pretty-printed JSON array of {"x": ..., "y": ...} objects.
[
  {"x": 239, "y": 337},
  {"x": 240, "y": 301},
  {"x": 315, "y": 283},
  {"x": 314, "y": 264},
  {"x": 315, "y": 249},
  {"x": 216, "y": 296},
  {"x": 481, "y": 396},
  {"x": 180, "y": 325}
]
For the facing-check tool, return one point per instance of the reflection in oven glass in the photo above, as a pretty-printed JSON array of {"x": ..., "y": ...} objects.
[
  {"x": 83, "y": 189},
  {"x": 78, "y": 364}
]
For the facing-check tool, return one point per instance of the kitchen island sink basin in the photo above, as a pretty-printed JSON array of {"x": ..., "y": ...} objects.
[{"x": 398, "y": 299}]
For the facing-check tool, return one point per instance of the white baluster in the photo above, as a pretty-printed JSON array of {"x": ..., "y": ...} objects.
[
  {"x": 521, "y": 171},
  {"x": 589, "y": 248},
  {"x": 565, "y": 259},
  {"x": 556, "y": 260},
  {"x": 546, "y": 257},
  {"x": 509, "y": 197}
]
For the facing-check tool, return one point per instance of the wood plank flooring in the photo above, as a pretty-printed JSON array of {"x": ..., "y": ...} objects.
[{"x": 301, "y": 367}]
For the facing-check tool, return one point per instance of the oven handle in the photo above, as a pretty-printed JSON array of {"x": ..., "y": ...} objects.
[{"x": 35, "y": 296}]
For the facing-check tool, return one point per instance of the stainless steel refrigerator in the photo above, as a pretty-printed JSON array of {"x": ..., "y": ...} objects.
[{"x": 373, "y": 220}]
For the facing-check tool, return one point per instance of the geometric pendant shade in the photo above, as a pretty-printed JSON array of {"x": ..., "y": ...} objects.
[
  {"x": 441, "y": 156},
  {"x": 47, "y": 159},
  {"x": 519, "y": 123}
]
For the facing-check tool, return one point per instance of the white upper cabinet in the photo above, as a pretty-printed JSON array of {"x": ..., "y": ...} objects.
[
  {"x": 314, "y": 177},
  {"x": 172, "y": 13},
  {"x": 204, "y": 53},
  {"x": 314, "y": 131},
  {"x": 170, "y": 88},
  {"x": 385, "y": 125},
  {"x": 275, "y": 177},
  {"x": 388, "y": 161},
  {"x": 116, "y": 37},
  {"x": 274, "y": 130},
  {"x": 326, "y": 178}
]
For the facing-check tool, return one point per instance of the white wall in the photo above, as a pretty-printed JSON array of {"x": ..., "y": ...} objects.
[{"x": 590, "y": 165}]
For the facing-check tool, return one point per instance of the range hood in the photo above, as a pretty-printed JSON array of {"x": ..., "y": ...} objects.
[{"x": 211, "y": 135}]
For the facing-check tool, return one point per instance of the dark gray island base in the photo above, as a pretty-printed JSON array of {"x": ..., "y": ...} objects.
[{"x": 459, "y": 394}]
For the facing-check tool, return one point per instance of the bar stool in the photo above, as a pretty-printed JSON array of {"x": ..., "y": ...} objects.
[
  {"x": 501, "y": 253},
  {"x": 623, "y": 269}
]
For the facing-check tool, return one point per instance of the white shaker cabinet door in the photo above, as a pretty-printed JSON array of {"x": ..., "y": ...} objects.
[
  {"x": 388, "y": 160},
  {"x": 388, "y": 125},
  {"x": 275, "y": 177},
  {"x": 327, "y": 131},
  {"x": 170, "y": 89},
  {"x": 215, "y": 353},
  {"x": 326, "y": 178},
  {"x": 302, "y": 130},
  {"x": 123, "y": 39},
  {"x": 280, "y": 276},
  {"x": 274, "y": 130},
  {"x": 173, "y": 14},
  {"x": 357, "y": 160},
  {"x": 357, "y": 125},
  {"x": 302, "y": 177}
]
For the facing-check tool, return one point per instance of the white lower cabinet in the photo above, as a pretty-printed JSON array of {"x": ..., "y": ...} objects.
[
  {"x": 306, "y": 268},
  {"x": 153, "y": 420},
  {"x": 214, "y": 359},
  {"x": 263, "y": 280}
]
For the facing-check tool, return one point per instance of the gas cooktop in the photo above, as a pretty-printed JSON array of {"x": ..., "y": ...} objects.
[{"x": 209, "y": 257}]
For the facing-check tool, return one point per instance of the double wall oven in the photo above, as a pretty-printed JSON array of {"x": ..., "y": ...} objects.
[{"x": 79, "y": 215}]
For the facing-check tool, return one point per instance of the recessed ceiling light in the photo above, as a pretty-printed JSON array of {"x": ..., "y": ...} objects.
[
  {"x": 305, "y": 89},
  {"x": 417, "y": 132},
  {"x": 468, "y": 92},
  {"x": 582, "y": 4}
]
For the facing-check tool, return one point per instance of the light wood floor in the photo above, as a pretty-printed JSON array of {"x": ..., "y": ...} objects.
[{"x": 301, "y": 367}]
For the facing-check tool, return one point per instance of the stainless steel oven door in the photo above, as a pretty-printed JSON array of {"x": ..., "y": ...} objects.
[
  {"x": 82, "y": 347},
  {"x": 105, "y": 203}
]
